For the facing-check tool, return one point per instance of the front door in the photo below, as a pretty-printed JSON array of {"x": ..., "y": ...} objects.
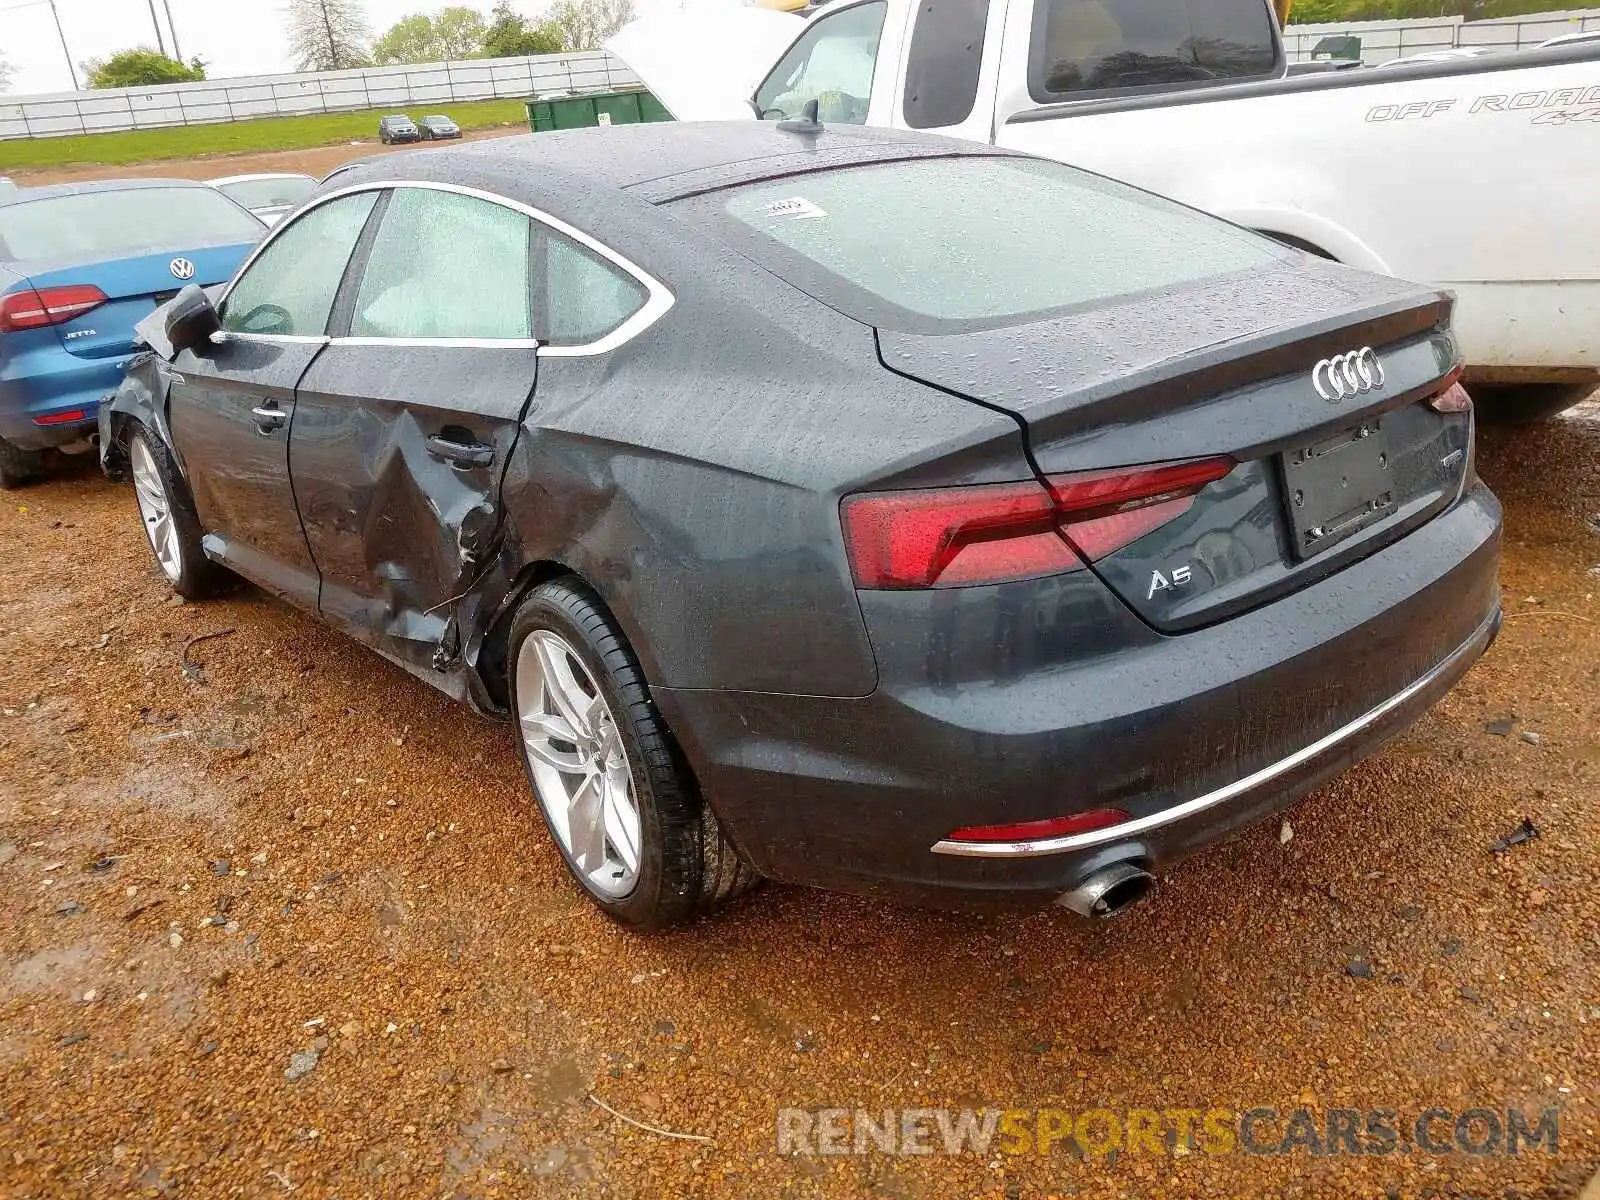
[
  {"x": 404, "y": 423},
  {"x": 232, "y": 403}
]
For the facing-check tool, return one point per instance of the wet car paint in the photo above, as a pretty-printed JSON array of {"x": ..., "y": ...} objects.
[{"x": 692, "y": 477}]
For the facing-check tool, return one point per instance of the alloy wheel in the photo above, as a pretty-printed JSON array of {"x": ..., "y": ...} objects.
[
  {"x": 156, "y": 511},
  {"x": 578, "y": 762}
]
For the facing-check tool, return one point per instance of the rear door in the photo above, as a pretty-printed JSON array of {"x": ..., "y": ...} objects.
[
  {"x": 231, "y": 403},
  {"x": 403, "y": 425}
]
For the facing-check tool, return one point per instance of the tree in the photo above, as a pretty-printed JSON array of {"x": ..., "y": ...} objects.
[
  {"x": 140, "y": 67},
  {"x": 453, "y": 33},
  {"x": 584, "y": 24},
  {"x": 510, "y": 36},
  {"x": 328, "y": 35}
]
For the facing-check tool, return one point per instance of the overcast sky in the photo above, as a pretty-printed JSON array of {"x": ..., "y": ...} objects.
[{"x": 234, "y": 37}]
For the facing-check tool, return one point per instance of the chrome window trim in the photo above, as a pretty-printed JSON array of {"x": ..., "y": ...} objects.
[
  {"x": 658, "y": 299},
  {"x": 223, "y": 336},
  {"x": 1469, "y": 649}
]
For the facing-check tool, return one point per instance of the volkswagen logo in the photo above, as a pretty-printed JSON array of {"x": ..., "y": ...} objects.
[
  {"x": 181, "y": 268},
  {"x": 1346, "y": 375}
]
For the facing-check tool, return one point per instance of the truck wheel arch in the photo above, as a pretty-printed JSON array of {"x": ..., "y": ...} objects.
[{"x": 1307, "y": 231}]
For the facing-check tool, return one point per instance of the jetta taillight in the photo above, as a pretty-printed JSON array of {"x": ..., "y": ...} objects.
[
  {"x": 38, "y": 308},
  {"x": 996, "y": 533}
]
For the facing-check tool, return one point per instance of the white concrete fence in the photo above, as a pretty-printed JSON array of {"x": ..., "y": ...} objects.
[
  {"x": 1383, "y": 40},
  {"x": 413, "y": 87}
]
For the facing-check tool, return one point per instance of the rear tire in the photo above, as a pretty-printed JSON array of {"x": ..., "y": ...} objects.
[
  {"x": 620, "y": 803},
  {"x": 166, "y": 511},
  {"x": 19, "y": 467},
  {"x": 1525, "y": 403}
]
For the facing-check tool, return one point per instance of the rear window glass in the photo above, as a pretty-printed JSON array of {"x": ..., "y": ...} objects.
[
  {"x": 946, "y": 244},
  {"x": 266, "y": 193},
  {"x": 1097, "y": 45},
  {"x": 104, "y": 225}
]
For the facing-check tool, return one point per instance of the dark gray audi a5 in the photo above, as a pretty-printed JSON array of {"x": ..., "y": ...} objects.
[{"x": 851, "y": 508}]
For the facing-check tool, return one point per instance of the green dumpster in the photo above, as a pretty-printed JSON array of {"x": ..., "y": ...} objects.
[{"x": 597, "y": 108}]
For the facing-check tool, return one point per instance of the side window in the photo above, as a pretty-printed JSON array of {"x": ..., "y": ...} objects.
[
  {"x": 831, "y": 64},
  {"x": 585, "y": 296},
  {"x": 446, "y": 266},
  {"x": 290, "y": 287},
  {"x": 1095, "y": 45},
  {"x": 942, "y": 66}
]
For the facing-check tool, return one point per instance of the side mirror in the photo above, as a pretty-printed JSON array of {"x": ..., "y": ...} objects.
[{"x": 191, "y": 319}]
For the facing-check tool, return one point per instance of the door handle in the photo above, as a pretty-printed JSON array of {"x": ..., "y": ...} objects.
[
  {"x": 460, "y": 454},
  {"x": 269, "y": 417}
]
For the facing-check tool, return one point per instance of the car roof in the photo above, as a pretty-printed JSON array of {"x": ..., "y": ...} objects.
[
  {"x": 50, "y": 191},
  {"x": 658, "y": 161},
  {"x": 257, "y": 177}
]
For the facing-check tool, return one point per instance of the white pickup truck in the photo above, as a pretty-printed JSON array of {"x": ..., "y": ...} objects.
[{"x": 1482, "y": 174}]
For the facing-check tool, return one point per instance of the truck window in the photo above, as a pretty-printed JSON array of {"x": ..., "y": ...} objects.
[
  {"x": 942, "y": 66},
  {"x": 832, "y": 63},
  {"x": 1086, "y": 46}
]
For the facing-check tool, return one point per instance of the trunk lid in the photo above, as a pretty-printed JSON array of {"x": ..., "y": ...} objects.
[
  {"x": 705, "y": 62},
  {"x": 136, "y": 287},
  {"x": 1224, "y": 369}
]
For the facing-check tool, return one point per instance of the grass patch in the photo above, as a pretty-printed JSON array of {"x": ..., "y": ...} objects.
[{"x": 239, "y": 137}]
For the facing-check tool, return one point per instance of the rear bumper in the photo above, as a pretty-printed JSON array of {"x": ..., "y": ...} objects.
[
  {"x": 77, "y": 385},
  {"x": 1193, "y": 736}
]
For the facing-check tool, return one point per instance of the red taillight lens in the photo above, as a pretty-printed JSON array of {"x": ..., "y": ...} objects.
[
  {"x": 37, "y": 308},
  {"x": 1034, "y": 831},
  {"x": 1103, "y": 511},
  {"x": 948, "y": 537},
  {"x": 1453, "y": 399}
]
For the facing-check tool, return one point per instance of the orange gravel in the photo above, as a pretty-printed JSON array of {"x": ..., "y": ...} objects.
[{"x": 294, "y": 858}]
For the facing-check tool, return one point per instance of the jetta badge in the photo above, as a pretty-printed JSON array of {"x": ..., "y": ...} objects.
[
  {"x": 181, "y": 268},
  {"x": 1346, "y": 375}
]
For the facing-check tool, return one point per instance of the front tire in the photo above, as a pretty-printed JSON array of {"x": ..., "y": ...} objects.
[
  {"x": 615, "y": 793},
  {"x": 1525, "y": 403},
  {"x": 171, "y": 527},
  {"x": 19, "y": 467}
]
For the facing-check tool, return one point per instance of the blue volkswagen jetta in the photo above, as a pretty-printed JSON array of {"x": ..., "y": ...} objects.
[{"x": 80, "y": 265}]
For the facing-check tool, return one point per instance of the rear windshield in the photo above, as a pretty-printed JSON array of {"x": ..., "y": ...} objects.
[
  {"x": 1095, "y": 45},
  {"x": 266, "y": 193},
  {"x": 952, "y": 244},
  {"x": 103, "y": 225}
]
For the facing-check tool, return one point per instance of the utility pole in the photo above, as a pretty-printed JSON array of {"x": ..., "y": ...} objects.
[
  {"x": 176, "y": 53},
  {"x": 160, "y": 45},
  {"x": 62, "y": 33}
]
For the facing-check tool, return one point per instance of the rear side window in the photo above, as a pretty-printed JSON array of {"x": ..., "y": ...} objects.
[
  {"x": 948, "y": 244},
  {"x": 1098, "y": 45},
  {"x": 122, "y": 224},
  {"x": 833, "y": 64},
  {"x": 289, "y": 289},
  {"x": 942, "y": 66},
  {"x": 586, "y": 297},
  {"x": 446, "y": 266}
]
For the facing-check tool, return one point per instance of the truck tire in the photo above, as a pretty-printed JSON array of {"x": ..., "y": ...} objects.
[
  {"x": 1525, "y": 403},
  {"x": 620, "y": 802},
  {"x": 19, "y": 466}
]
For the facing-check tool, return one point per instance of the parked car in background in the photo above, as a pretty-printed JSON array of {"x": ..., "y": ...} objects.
[
  {"x": 80, "y": 265},
  {"x": 7, "y": 184},
  {"x": 269, "y": 196},
  {"x": 860, "y": 509},
  {"x": 1448, "y": 54},
  {"x": 438, "y": 128},
  {"x": 1381, "y": 169},
  {"x": 398, "y": 128},
  {"x": 1586, "y": 37}
]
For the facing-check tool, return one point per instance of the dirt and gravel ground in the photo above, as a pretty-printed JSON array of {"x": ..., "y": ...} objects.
[{"x": 236, "y": 847}]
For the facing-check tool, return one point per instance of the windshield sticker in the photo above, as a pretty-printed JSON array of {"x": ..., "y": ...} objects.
[{"x": 796, "y": 208}]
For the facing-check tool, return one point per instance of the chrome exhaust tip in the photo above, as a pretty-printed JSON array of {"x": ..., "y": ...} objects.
[{"x": 1109, "y": 891}]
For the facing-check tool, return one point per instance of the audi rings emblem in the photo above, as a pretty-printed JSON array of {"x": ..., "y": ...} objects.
[{"x": 1346, "y": 375}]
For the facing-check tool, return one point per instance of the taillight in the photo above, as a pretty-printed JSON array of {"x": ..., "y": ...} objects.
[
  {"x": 1033, "y": 831},
  {"x": 1452, "y": 398},
  {"x": 996, "y": 533},
  {"x": 1103, "y": 511},
  {"x": 950, "y": 537},
  {"x": 37, "y": 308}
]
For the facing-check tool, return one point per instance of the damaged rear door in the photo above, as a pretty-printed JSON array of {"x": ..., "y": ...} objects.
[{"x": 403, "y": 425}]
